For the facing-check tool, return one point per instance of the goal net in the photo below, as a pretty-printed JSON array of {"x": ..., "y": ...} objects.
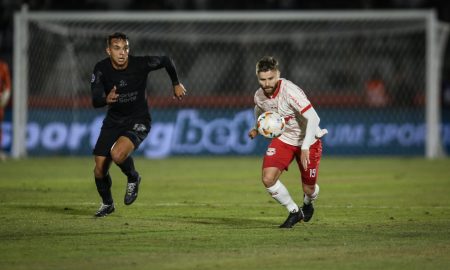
[{"x": 371, "y": 76}]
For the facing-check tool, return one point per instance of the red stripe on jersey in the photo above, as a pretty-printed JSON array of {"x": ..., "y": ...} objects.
[
  {"x": 306, "y": 108},
  {"x": 276, "y": 90}
]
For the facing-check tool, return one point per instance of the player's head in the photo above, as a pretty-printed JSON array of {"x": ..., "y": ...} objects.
[
  {"x": 268, "y": 74},
  {"x": 118, "y": 49}
]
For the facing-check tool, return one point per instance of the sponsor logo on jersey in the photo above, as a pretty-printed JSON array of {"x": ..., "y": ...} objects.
[
  {"x": 139, "y": 127},
  {"x": 122, "y": 83}
]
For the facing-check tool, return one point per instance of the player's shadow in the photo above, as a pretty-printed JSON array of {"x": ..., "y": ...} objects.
[
  {"x": 63, "y": 210},
  {"x": 231, "y": 222}
]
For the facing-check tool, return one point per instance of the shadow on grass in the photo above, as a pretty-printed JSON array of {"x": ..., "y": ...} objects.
[
  {"x": 232, "y": 222},
  {"x": 88, "y": 212},
  {"x": 64, "y": 210}
]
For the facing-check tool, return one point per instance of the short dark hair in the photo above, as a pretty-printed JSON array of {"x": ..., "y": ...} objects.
[
  {"x": 266, "y": 63},
  {"x": 116, "y": 35}
]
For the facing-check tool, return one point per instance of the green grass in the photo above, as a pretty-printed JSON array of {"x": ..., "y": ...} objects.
[{"x": 214, "y": 213}]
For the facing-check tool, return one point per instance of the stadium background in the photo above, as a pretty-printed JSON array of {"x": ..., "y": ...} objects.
[{"x": 217, "y": 113}]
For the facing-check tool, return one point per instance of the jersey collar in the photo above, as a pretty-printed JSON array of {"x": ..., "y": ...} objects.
[
  {"x": 276, "y": 90},
  {"x": 274, "y": 95}
]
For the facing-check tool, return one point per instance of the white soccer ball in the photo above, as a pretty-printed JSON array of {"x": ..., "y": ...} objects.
[{"x": 270, "y": 125}]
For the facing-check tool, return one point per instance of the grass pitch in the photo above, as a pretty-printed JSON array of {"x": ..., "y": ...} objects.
[{"x": 214, "y": 213}]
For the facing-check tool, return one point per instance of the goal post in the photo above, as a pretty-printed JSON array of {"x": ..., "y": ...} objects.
[
  {"x": 373, "y": 75},
  {"x": 20, "y": 83},
  {"x": 433, "y": 143}
]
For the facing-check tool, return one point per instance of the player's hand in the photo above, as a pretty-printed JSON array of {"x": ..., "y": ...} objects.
[
  {"x": 321, "y": 133},
  {"x": 304, "y": 158},
  {"x": 253, "y": 133},
  {"x": 112, "y": 96},
  {"x": 179, "y": 91}
]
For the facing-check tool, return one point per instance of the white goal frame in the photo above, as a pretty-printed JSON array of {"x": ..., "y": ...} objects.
[{"x": 434, "y": 54}]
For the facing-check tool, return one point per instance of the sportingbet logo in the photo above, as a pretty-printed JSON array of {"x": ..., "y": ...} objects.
[
  {"x": 189, "y": 133},
  {"x": 221, "y": 132}
]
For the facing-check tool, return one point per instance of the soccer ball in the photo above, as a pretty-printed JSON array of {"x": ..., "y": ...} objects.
[{"x": 270, "y": 124}]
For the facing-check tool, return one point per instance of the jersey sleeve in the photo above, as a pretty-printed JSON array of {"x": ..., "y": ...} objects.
[
  {"x": 311, "y": 127},
  {"x": 158, "y": 62},
  {"x": 298, "y": 100},
  {"x": 98, "y": 88}
]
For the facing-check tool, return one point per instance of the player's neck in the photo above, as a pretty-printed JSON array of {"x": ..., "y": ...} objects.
[{"x": 119, "y": 67}]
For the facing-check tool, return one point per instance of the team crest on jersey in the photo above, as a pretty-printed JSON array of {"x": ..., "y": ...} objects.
[
  {"x": 93, "y": 78},
  {"x": 271, "y": 151}
]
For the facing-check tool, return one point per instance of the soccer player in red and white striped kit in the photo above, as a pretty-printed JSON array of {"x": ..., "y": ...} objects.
[{"x": 300, "y": 140}]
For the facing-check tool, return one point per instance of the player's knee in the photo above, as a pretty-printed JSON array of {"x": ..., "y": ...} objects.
[
  {"x": 268, "y": 180},
  {"x": 98, "y": 172},
  {"x": 308, "y": 189},
  {"x": 118, "y": 156}
]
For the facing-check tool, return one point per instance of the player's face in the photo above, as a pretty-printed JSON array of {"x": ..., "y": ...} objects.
[
  {"x": 118, "y": 51},
  {"x": 268, "y": 80}
]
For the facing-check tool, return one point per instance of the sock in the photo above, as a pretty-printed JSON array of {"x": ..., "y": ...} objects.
[
  {"x": 307, "y": 199},
  {"x": 127, "y": 168},
  {"x": 104, "y": 189},
  {"x": 280, "y": 193}
]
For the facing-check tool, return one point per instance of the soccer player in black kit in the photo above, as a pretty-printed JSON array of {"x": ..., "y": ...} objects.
[{"x": 119, "y": 82}]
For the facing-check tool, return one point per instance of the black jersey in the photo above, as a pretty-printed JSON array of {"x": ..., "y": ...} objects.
[{"x": 130, "y": 84}]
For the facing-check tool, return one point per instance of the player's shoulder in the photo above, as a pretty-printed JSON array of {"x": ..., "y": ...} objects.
[
  {"x": 103, "y": 64},
  {"x": 289, "y": 86},
  {"x": 288, "y": 83},
  {"x": 260, "y": 98},
  {"x": 259, "y": 95},
  {"x": 149, "y": 61},
  {"x": 137, "y": 58}
]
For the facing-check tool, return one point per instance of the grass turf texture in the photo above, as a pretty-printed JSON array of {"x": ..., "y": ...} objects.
[{"x": 214, "y": 213}]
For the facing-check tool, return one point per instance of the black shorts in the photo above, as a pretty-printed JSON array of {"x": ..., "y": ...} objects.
[{"x": 136, "y": 131}]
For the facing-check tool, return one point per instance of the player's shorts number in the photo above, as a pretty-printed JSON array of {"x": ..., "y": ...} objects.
[{"x": 312, "y": 172}]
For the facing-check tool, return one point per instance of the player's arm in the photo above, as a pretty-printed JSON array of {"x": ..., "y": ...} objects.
[
  {"x": 300, "y": 103},
  {"x": 312, "y": 127},
  {"x": 97, "y": 88},
  {"x": 6, "y": 79},
  {"x": 254, "y": 131},
  {"x": 99, "y": 97},
  {"x": 310, "y": 134},
  {"x": 157, "y": 62}
]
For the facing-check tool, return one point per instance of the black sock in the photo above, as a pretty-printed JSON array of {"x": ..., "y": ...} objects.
[
  {"x": 104, "y": 189},
  {"x": 127, "y": 168}
]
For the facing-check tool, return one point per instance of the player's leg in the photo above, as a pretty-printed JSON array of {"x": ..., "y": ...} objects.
[
  {"x": 277, "y": 159},
  {"x": 278, "y": 191},
  {"x": 103, "y": 182},
  {"x": 121, "y": 154},
  {"x": 309, "y": 179},
  {"x": 103, "y": 161}
]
